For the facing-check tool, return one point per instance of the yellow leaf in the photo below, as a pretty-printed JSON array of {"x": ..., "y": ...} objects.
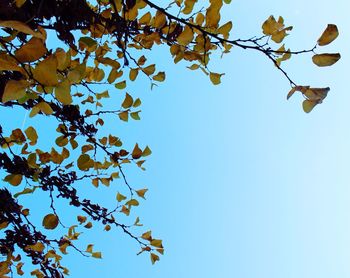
[
  {"x": 160, "y": 77},
  {"x": 326, "y": 59},
  {"x": 157, "y": 243},
  {"x": 121, "y": 85},
  {"x": 37, "y": 247},
  {"x": 145, "y": 19},
  {"x": 154, "y": 258},
  {"x": 50, "y": 221},
  {"x": 189, "y": 4},
  {"x": 31, "y": 135},
  {"x": 89, "y": 248},
  {"x": 44, "y": 107},
  {"x": 186, "y": 36},
  {"x": 31, "y": 51},
  {"x": 97, "y": 255},
  {"x": 149, "y": 70},
  {"x": 95, "y": 182},
  {"x": 8, "y": 63},
  {"x": 21, "y": 27},
  {"x": 141, "y": 193},
  {"x": 62, "y": 92},
  {"x": 146, "y": 152},
  {"x": 14, "y": 90},
  {"x": 132, "y": 202},
  {"x": 20, "y": 3},
  {"x": 328, "y": 35},
  {"x": 45, "y": 71},
  {"x": 63, "y": 248},
  {"x": 14, "y": 179},
  {"x": 125, "y": 210},
  {"x": 291, "y": 92},
  {"x": 213, "y": 14},
  {"x": 137, "y": 152},
  {"x": 159, "y": 20},
  {"x": 147, "y": 236},
  {"x": 120, "y": 197},
  {"x": 133, "y": 74},
  {"x": 215, "y": 78},
  {"x": 81, "y": 219},
  {"x": 61, "y": 141},
  {"x": 3, "y": 225},
  {"x": 89, "y": 43},
  {"x": 124, "y": 116},
  {"x": 275, "y": 29},
  {"x": 225, "y": 29},
  {"x": 128, "y": 101},
  {"x": 63, "y": 59},
  {"x": 137, "y": 103},
  {"x": 85, "y": 162},
  {"x": 200, "y": 19},
  {"x": 308, "y": 105}
]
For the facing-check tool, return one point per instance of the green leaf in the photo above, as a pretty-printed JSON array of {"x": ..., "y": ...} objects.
[
  {"x": 136, "y": 103},
  {"x": 25, "y": 191},
  {"x": 121, "y": 85},
  {"x": 146, "y": 152},
  {"x": 120, "y": 197},
  {"x": 135, "y": 115},
  {"x": 85, "y": 162}
]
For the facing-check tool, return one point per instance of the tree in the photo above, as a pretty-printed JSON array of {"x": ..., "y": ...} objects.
[{"x": 102, "y": 45}]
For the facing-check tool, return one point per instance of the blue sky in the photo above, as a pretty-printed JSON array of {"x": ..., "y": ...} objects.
[{"x": 242, "y": 183}]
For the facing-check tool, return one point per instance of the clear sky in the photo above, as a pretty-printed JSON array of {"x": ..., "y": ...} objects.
[{"x": 242, "y": 183}]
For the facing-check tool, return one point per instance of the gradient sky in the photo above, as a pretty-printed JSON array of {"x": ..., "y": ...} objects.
[{"x": 242, "y": 183}]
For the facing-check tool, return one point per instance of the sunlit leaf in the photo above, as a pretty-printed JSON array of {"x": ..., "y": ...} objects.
[
  {"x": 128, "y": 101},
  {"x": 328, "y": 35},
  {"x": 120, "y": 197},
  {"x": 121, "y": 85},
  {"x": 186, "y": 36},
  {"x": 160, "y": 76},
  {"x": 141, "y": 193},
  {"x": 326, "y": 59},
  {"x": 97, "y": 255},
  {"x": 14, "y": 179},
  {"x": 21, "y": 27},
  {"x": 31, "y": 135},
  {"x": 215, "y": 78},
  {"x": 14, "y": 90},
  {"x": 63, "y": 92},
  {"x": 45, "y": 71},
  {"x": 137, "y": 152},
  {"x": 37, "y": 247},
  {"x": 308, "y": 105},
  {"x": 31, "y": 51},
  {"x": 154, "y": 258}
]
